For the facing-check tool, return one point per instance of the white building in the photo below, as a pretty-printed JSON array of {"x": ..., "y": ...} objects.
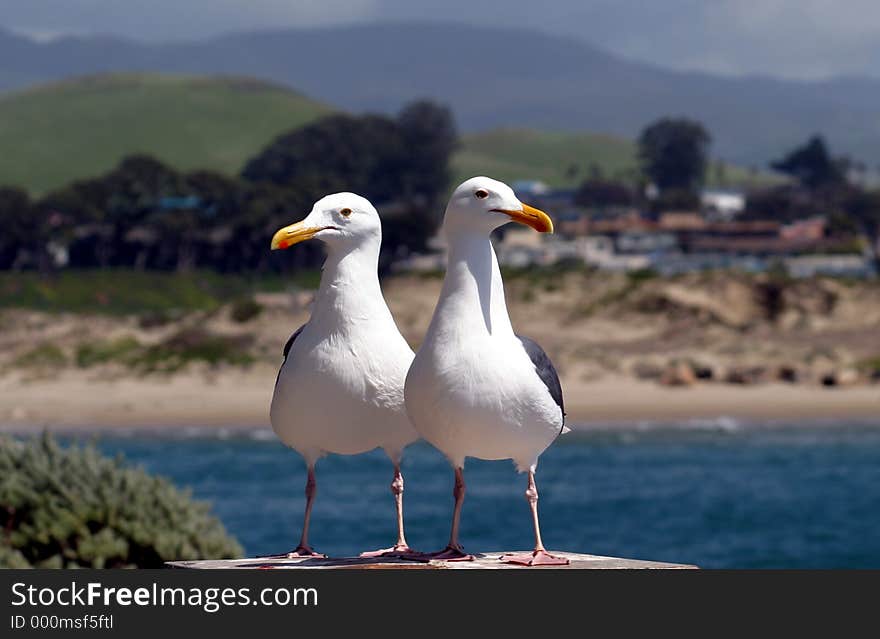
[{"x": 725, "y": 202}]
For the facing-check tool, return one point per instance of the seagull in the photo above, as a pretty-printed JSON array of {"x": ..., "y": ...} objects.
[
  {"x": 475, "y": 388},
  {"x": 340, "y": 387}
]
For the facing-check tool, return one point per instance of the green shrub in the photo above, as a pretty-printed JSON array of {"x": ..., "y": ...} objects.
[
  {"x": 153, "y": 293},
  {"x": 245, "y": 310},
  {"x": 193, "y": 345},
  {"x": 120, "y": 350},
  {"x": 156, "y": 319},
  {"x": 871, "y": 367},
  {"x": 73, "y": 507},
  {"x": 642, "y": 275},
  {"x": 42, "y": 356},
  {"x": 171, "y": 355}
]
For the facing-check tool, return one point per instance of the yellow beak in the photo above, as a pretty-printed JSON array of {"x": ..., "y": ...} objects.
[
  {"x": 530, "y": 216},
  {"x": 293, "y": 234}
]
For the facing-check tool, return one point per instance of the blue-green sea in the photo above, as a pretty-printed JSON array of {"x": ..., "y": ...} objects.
[{"x": 718, "y": 493}]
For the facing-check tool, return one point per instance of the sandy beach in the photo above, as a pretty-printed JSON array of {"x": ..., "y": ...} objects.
[
  {"x": 660, "y": 350},
  {"x": 239, "y": 399}
]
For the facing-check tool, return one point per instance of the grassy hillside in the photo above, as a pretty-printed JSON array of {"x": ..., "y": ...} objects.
[
  {"x": 82, "y": 127},
  {"x": 517, "y": 154},
  {"x": 121, "y": 292},
  {"x": 520, "y": 154}
]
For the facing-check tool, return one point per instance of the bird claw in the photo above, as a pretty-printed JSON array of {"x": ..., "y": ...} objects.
[
  {"x": 535, "y": 558},
  {"x": 398, "y": 550},
  {"x": 451, "y": 553},
  {"x": 301, "y": 551}
]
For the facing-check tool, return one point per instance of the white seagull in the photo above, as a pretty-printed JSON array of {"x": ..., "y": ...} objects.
[
  {"x": 340, "y": 388},
  {"x": 475, "y": 388}
]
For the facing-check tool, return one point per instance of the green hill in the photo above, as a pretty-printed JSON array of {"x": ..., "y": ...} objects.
[
  {"x": 566, "y": 159},
  {"x": 80, "y": 128},
  {"x": 520, "y": 154}
]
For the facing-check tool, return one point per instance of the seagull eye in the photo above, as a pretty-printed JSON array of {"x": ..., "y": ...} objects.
[
  {"x": 345, "y": 212},
  {"x": 481, "y": 194}
]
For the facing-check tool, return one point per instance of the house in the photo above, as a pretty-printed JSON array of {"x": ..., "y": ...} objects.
[
  {"x": 599, "y": 251},
  {"x": 646, "y": 242},
  {"x": 726, "y": 203},
  {"x": 571, "y": 223},
  {"x": 677, "y": 264},
  {"x": 529, "y": 189},
  {"x": 810, "y": 229},
  {"x": 523, "y": 247},
  {"x": 681, "y": 221},
  {"x": 851, "y": 265}
]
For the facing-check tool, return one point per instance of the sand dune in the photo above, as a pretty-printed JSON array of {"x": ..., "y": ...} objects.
[{"x": 614, "y": 340}]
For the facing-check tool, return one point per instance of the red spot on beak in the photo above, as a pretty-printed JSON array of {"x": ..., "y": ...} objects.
[{"x": 283, "y": 244}]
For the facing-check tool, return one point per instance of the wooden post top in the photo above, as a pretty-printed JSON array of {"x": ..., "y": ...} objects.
[{"x": 484, "y": 561}]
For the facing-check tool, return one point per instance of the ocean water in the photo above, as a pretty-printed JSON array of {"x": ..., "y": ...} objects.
[{"x": 717, "y": 493}]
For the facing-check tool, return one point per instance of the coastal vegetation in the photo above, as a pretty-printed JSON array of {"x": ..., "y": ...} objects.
[
  {"x": 729, "y": 327},
  {"x": 71, "y": 507},
  {"x": 150, "y": 295}
]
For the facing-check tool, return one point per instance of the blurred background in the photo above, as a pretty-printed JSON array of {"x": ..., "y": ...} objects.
[{"x": 710, "y": 296}]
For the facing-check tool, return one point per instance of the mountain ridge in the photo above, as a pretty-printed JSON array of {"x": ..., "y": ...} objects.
[{"x": 492, "y": 78}]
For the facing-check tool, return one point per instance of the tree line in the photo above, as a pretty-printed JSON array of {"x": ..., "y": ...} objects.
[{"x": 144, "y": 214}]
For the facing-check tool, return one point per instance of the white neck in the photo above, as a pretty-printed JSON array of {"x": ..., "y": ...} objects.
[
  {"x": 349, "y": 291},
  {"x": 472, "y": 299}
]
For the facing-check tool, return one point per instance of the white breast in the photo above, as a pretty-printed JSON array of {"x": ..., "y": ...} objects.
[
  {"x": 483, "y": 399},
  {"x": 343, "y": 393},
  {"x": 472, "y": 390}
]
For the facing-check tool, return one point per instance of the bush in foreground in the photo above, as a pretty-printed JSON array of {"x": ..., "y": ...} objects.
[{"x": 73, "y": 507}]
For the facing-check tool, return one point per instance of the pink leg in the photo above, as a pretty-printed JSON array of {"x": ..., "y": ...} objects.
[
  {"x": 454, "y": 551},
  {"x": 540, "y": 556},
  {"x": 304, "y": 550},
  {"x": 400, "y": 549}
]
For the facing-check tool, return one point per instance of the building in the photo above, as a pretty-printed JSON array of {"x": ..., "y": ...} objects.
[
  {"x": 599, "y": 251},
  {"x": 724, "y": 203},
  {"x": 646, "y": 242},
  {"x": 837, "y": 265},
  {"x": 811, "y": 229}
]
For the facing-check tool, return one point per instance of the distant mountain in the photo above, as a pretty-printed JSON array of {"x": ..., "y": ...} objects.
[
  {"x": 491, "y": 77},
  {"x": 83, "y": 127}
]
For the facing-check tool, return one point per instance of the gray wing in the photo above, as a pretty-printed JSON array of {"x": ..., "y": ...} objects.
[
  {"x": 546, "y": 371},
  {"x": 291, "y": 340},
  {"x": 287, "y": 347}
]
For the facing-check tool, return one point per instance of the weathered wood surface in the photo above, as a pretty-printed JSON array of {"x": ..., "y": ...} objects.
[{"x": 485, "y": 561}]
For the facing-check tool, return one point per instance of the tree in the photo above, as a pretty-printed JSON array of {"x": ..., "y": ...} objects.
[
  {"x": 599, "y": 193},
  {"x": 674, "y": 152},
  {"x": 812, "y": 165},
  {"x": 17, "y": 219},
  {"x": 429, "y": 138},
  {"x": 784, "y": 203},
  {"x": 337, "y": 153},
  {"x": 864, "y": 208},
  {"x": 401, "y": 165},
  {"x": 114, "y": 213}
]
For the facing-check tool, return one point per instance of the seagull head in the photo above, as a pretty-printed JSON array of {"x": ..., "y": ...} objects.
[
  {"x": 482, "y": 204},
  {"x": 342, "y": 221}
]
